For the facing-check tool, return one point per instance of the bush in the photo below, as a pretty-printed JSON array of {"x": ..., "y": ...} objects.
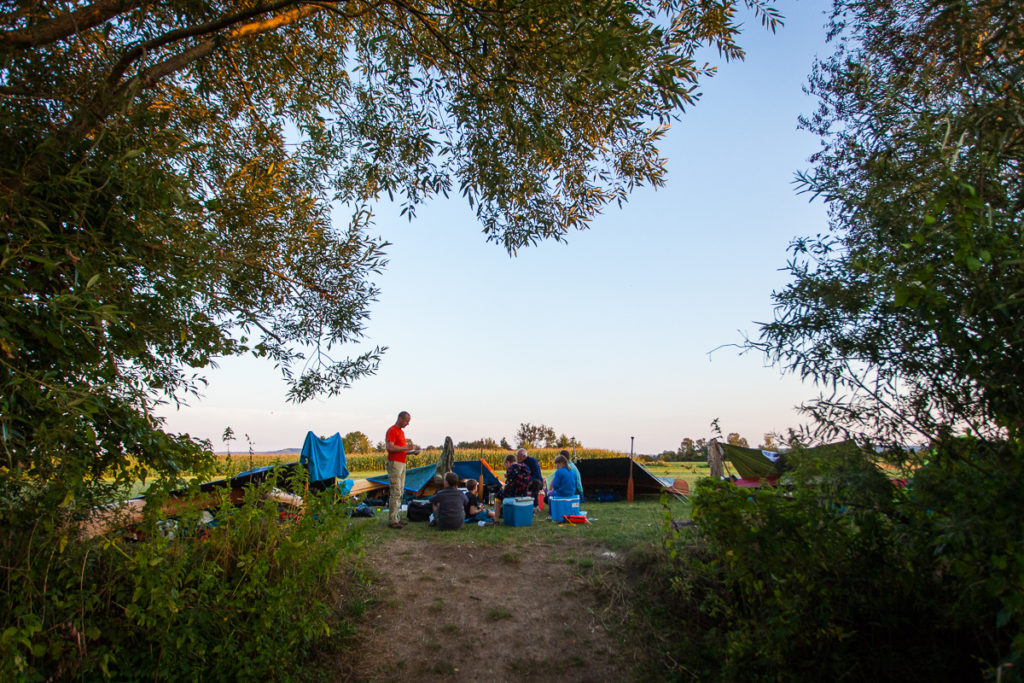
[
  {"x": 839, "y": 576},
  {"x": 244, "y": 599}
]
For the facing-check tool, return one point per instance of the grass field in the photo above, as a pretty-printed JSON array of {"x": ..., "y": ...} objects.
[{"x": 617, "y": 526}]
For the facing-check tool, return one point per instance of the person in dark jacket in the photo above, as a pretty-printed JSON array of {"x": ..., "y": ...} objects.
[
  {"x": 536, "y": 476},
  {"x": 517, "y": 483},
  {"x": 449, "y": 504}
]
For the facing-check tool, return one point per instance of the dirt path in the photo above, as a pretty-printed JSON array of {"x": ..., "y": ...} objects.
[{"x": 449, "y": 611}]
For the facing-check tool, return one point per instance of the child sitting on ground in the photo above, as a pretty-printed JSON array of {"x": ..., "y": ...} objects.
[
  {"x": 449, "y": 504},
  {"x": 475, "y": 512}
]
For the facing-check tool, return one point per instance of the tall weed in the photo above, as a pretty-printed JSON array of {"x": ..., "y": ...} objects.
[{"x": 243, "y": 599}]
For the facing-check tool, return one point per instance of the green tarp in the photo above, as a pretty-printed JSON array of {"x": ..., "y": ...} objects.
[{"x": 754, "y": 463}]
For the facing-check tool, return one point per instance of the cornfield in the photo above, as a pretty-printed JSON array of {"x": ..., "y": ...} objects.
[{"x": 375, "y": 462}]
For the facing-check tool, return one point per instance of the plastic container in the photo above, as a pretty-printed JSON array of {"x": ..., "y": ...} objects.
[
  {"x": 517, "y": 511},
  {"x": 560, "y": 507}
]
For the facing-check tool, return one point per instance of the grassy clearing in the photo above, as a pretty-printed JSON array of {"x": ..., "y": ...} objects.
[
  {"x": 591, "y": 558},
  {"x": 616, "y": 526}
]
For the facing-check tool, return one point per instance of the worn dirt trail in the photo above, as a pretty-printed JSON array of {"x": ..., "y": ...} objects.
[{"x": 450, "y": 611}]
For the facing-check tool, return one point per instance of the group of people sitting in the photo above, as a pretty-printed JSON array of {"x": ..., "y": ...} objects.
[{"x": 523, "y": 477}]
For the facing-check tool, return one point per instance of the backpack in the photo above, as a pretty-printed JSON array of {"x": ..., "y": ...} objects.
[
  {"x": 362, "y": 510},
  {"x": 419, "y": 510}
]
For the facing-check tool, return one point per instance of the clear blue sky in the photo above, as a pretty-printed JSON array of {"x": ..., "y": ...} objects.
[{"x": 605, "y": 337}]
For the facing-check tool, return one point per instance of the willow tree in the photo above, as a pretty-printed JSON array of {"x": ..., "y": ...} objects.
[
  {"x": 911, "y": 305},
  {"x": 169, "y": 171}
]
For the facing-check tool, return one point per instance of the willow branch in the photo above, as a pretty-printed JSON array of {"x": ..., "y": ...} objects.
[
  {"x": 209, "y": 27},
  {"x": 431, "y": 28},
  {"x": 64, "y": 25}
]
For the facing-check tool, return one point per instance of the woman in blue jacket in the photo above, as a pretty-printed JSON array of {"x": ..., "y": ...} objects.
[{"x": 563, "y": 484}]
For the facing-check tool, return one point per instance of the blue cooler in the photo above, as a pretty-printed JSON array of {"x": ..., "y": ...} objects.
[
  {"x": 517, "y": 511},
  {"x": 560, "y": 507}
]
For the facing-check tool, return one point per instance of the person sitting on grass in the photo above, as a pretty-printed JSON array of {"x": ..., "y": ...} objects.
[
  {"x": 571, "y": 466},
  {"x": 475, "y": 512},
  {"x": 449, "y": 504},
  {"x": 563, "y": 484},
  {"x": 517, "y": 483},
  {"x": 536, "y": 476}
]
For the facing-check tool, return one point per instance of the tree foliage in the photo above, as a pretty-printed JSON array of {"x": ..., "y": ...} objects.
[
  {"x": 736, "y": 440},
  {"x": 688, "y": 451},
  {"x": 565, "y": 441},
  {"x": 356, "y": 442},
  {"x": 535, "y": 436},
  {"x": 910, "y": 306},
  {"x": 168, "y": 172},
  {"x": 485, "y": 443}
]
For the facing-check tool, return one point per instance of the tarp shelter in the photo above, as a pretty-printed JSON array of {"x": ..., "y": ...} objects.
[
  {"x": 418, "y": 480},
  {"x": 613, "y": 474},
  {"x": 752, "y": 463},
  {"x": 104, "y": 517},
  {"x": 477, "y": 469},
  {"x": 285, "y": 472}
]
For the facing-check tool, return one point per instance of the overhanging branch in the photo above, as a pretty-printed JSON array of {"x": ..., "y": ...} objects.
[{"x": 64, "y": 25}]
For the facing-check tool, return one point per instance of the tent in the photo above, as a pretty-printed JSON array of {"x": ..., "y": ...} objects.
[
  {"x": 479, "y": 470},
  {"x": 418, "y": 480},
  {"x": 613, "y": 474}
]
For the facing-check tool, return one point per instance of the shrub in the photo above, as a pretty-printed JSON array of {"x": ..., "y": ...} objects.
[
  {"x": 246, "y": 598},
  {"x": 837, "y": 576}
]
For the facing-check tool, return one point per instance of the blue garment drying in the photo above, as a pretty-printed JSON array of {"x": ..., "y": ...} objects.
[{"x": 324, "y": 458}]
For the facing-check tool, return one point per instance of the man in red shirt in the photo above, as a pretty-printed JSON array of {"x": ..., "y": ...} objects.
[{"x": 397, "y": 448}]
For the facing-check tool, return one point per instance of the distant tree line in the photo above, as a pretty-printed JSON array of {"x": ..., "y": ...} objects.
[
  {"x": 543, "y": 436},
  {"x": 527, "y": 436},
  {"x": 691, "y": 450}
]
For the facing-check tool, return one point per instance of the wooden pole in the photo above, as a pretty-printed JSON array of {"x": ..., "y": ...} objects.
[
  {"x": 716, "y": 460},
  {"x": 629, "y": 486}
]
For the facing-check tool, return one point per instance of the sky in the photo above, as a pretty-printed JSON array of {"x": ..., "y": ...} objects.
[{"x": 610, "y": 337}]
